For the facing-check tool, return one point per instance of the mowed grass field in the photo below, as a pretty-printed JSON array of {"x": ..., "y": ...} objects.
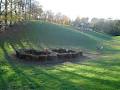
[{"x": 101, "y": 73}]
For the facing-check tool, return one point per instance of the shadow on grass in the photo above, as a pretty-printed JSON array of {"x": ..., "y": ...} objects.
[
  {"x": 3, "y": 83},
  {"x": 97, "y": 80},
  {"x": 23, "y": 77},
  {"x": 63, "y": 79},
  {"x": 30, "y": 82}
]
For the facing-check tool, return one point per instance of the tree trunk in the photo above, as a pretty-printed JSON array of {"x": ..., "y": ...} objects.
[
  {"x": 6, "y": 11},
  {"x": 11, "y": 16},
  {"x": 30, "y": 10},
  {"x": 0, "y": 7}
]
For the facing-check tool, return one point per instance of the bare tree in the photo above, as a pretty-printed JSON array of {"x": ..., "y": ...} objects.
[{"x": 6, "y": 11}]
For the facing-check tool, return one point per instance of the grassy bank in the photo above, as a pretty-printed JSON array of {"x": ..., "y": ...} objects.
[{"x": 102, "y": 73}]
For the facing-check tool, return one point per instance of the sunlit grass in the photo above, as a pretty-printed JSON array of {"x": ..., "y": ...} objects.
[{"x": 102, "y": 73}]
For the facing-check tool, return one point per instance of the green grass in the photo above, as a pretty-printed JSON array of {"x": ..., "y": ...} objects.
[{"x": 102, "y": 73}]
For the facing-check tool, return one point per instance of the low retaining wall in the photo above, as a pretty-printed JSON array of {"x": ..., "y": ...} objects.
[{"x": 30, "y": 54}]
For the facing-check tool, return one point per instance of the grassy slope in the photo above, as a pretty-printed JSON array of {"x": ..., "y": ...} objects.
[{"x": 100, "y": 74}]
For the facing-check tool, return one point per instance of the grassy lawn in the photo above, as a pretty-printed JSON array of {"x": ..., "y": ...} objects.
[{"x": 101, "y": 73}]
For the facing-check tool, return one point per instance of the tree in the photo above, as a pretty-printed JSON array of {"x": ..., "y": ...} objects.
[
  {"x": 6, "y": 11},
  {"x": 36, "y": 10},
  {"x": 108, "y": 26},
  {"x": 0, "y": 8},
  {"x": 77, "y": 22},
  {"x": 13, "y": 11}
]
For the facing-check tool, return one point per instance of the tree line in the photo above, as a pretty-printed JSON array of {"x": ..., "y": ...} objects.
[
  {"x": 58, "y": 18},
  {"x": 109, "y": 26},
  {"x": 14, "y": 11}
]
